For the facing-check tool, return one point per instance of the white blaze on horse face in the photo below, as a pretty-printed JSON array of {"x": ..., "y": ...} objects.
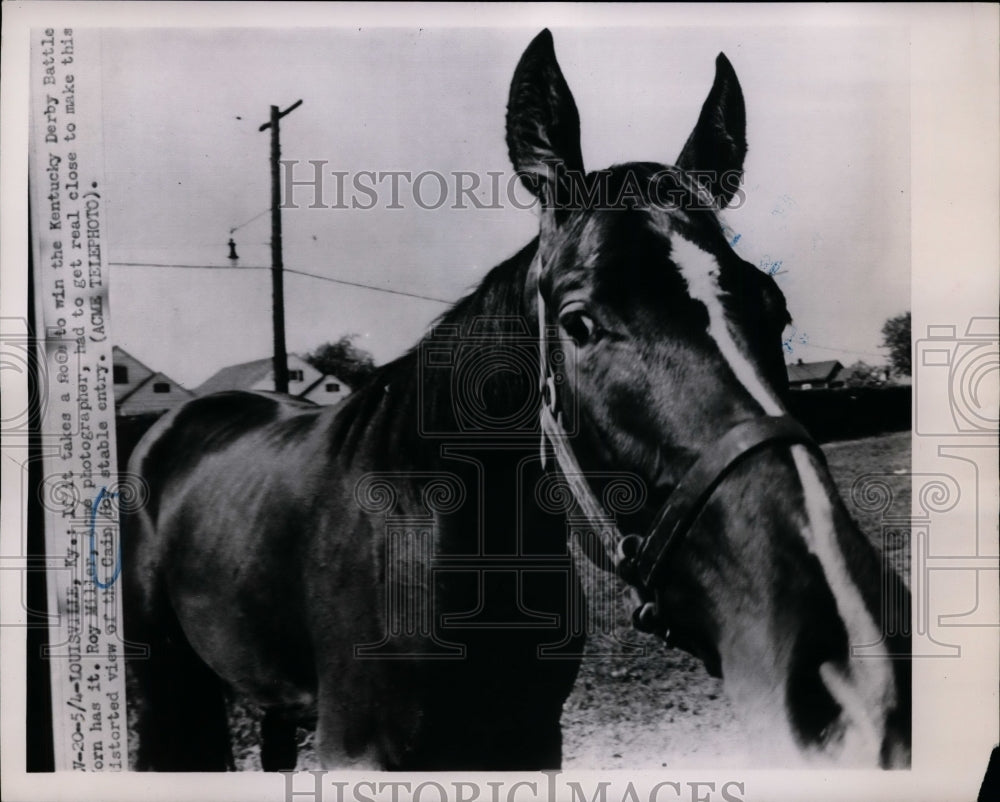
[
  {"x": 865, "y": 689},
  {"x": 701, "y": 272}
]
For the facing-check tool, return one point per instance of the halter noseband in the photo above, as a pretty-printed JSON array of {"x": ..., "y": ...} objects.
[{"x": 642, "y": 561}]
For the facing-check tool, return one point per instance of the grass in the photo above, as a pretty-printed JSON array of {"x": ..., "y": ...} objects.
[{"x": 873, "y": 476}]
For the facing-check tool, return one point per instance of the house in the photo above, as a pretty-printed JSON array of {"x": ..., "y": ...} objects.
[
  {"x": 328, "y": 390},
  {"x": 814, "y": 375},
  {"x": 140, "y": 390},
  {"x": 304, "y": 380}
]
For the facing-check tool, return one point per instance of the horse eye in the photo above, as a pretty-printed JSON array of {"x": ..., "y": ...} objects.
[{"x": 578, "y": 325}]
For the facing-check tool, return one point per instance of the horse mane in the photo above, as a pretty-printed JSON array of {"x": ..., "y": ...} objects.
[
  {"x": 499, "y": 294},
  {"x": 403, "y": 400}
]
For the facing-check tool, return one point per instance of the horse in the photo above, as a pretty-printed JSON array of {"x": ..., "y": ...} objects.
[{"x": 393, "y": 568}]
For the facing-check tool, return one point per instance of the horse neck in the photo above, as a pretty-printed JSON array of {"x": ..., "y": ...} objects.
[{"x": 408, "y": 421}]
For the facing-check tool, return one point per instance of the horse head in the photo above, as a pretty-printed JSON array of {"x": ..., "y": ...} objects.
[{"x": 670, "y": 346}]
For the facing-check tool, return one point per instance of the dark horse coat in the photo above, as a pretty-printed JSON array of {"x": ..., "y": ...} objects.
[
  {"x": 395, "y": 568},
  {"x": 272, "y": 521}
]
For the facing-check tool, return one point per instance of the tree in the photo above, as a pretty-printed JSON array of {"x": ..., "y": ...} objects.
[
  {"x": 344, "y": 360},
  {"x": 861, "y": 374},
  {"x": 896, "y": 337}
]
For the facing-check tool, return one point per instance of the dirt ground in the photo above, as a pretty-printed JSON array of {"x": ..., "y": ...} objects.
[{"x": 660, "y": 708}]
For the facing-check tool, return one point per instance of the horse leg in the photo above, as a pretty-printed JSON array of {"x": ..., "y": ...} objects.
[
  {"x": 278, "y": 749},
  {"x": 181, "y": 720},
  {"x": 542, "y": 746},
  {"x": 343, "y": 732},
  {"x": 521, "y": 740}
]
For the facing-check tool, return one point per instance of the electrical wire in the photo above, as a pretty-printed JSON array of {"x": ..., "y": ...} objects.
[{"x": 291, "y": 270}]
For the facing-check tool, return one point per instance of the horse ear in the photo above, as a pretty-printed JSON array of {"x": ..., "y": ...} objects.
[
  {"x": 718, "y": 144},
  {"x": 543, "y": 126}
]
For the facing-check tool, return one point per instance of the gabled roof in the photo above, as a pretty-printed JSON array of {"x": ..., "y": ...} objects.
[
  {"x": 314, "y": 385},
  {"x": 236, "y": 377},
  {"x": 118, "y": 351},
  {"x": 149, "y": 381},
  {"x": 117, "y": 355},
  {"x": 246, "y": 374},
  {"x": 326, "y": 377},
  {"x": 802, "y": 372}
]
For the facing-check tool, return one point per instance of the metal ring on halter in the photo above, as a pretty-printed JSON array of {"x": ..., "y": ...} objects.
[
  {"x": 646, "y": 618},
  {"x": 626, "y": 556}
]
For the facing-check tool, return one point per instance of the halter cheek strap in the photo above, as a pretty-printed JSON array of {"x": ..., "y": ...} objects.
[
  {"x": 641, "y": 561},
  {"x": 553, "y": 433}
]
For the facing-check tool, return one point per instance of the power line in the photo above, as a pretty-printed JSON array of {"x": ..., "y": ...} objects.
[
  {"x": 403, "y": 293},
  {"x": 332, "y": 280},
  {"x": 368, "y": 286},
  {"x": 843, "y": 350},
  {"x": 189, "y": 267},
  {"x": 234, "y": 229}
]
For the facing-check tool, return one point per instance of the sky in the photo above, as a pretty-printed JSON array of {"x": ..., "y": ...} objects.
[{"x": 826, "y": 182}]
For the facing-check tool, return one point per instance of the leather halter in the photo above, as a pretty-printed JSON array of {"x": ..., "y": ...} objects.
[{"x": 642, "y": 560}]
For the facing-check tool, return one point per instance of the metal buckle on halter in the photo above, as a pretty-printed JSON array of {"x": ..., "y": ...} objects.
[
  {"x": 626, "y": 564},
  {"x": 645, "y": 616}
]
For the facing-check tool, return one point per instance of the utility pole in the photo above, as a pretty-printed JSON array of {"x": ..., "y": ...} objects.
[{"x": 277, "y": 265}]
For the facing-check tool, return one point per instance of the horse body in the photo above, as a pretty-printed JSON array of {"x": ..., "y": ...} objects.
[
  {"x": 275, "y": 574},
  {"x": 389, "y": 567}
]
